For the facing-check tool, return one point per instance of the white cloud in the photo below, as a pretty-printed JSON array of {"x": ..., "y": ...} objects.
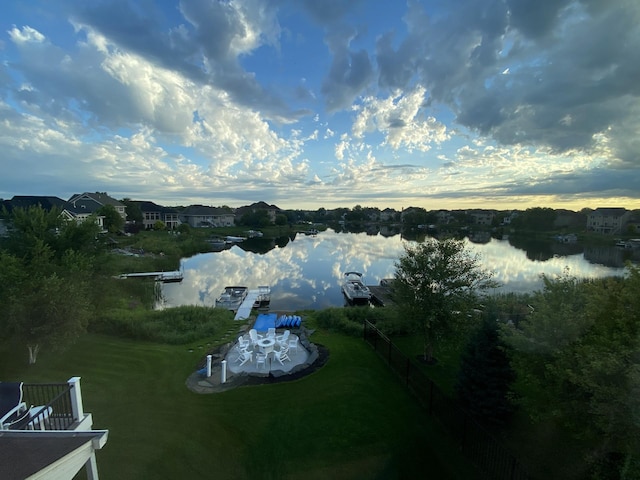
[
  {"x": 401, "y": 118},
  {"x": 26, "y": 35}
]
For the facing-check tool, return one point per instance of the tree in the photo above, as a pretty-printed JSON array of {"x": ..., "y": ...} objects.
[
  {"x": 53, "y": 304},
  {"x": 577, "y": 354},
  {"x": 537, "y": 218},
  {"x": 159, "y": 225},
  {"x": 485, "y": 378},
  {"x": 113, "y": 221},
  {"x": 45, "y": 280},
  {"x": 434, "y": 281},
  {"x": 134, "y": 214},
  {"x": 281, "y": 219},
  {"x": 32, "y": 225}
]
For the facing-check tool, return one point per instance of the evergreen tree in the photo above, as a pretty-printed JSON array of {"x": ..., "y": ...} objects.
[{"x": 485, "y": 377}]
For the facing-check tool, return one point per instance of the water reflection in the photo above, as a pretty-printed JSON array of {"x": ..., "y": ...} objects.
[{"x": 305, "y": 272}]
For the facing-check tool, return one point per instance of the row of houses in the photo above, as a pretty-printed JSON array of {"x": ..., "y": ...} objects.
[
  {"x": 608, "y": 221},
  {"x": 79, "y": 207}
]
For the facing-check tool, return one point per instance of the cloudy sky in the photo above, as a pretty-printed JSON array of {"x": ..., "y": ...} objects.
[{"x": 323, "y": 103}]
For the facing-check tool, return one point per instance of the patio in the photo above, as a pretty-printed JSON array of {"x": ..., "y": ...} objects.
[
  {"x": 296, "y": 357},
  {"x": 304, "y": 360}
]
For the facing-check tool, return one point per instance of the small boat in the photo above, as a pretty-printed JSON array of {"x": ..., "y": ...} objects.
[
  {"x": 234, "y": 239},
  {"x": 231, "y": 298},
  {"x": 354, "y": 289},
  {"x": 264, "y": 297}
]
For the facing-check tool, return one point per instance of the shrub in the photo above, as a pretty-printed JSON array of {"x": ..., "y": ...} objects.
[{"x": 176, "y": 326}]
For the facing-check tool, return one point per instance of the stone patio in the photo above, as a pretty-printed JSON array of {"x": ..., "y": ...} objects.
[{"x": 306, "y": 360}]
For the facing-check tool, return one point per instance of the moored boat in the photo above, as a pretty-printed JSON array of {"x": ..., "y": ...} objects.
[
  {"x": 354, "y": 289},
  {"x": 264, "y": 297},
  {"x": 232, "y": 297}
]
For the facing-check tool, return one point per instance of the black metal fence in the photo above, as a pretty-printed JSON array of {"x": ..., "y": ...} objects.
[
  {"x": 475, "y": 442},
  {"x": 51, "y": 404}
]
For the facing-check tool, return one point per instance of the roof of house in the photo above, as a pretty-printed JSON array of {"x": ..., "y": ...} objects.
[
  {"x": 609, "y": 211},
  {"x": 146, "y": 206},
  {"x": 202, "y": 210},
  {"x": 23, "y": 454},
  {"x": 26, "y": 201},
  {"x": 99, "y": 197}
]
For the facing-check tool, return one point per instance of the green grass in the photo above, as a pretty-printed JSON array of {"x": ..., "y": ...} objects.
[{"x": 351, "y": 419}]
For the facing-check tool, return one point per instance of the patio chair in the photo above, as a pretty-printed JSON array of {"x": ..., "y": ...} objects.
[
  {"x": 271, "y": 332},
  {"x": 253, "y": 336},
  {"x": 261, "y": 359},
  {"x": 245, "y": 356},
  {"x": 39, "y": 417},
  {"x": 284, "y": 338},
  {"x": 281, "y": 355},
  {"x": 243, "y": 343},
  {"x": 13, "y": 411},
  {"x": 293, "y": 343}
]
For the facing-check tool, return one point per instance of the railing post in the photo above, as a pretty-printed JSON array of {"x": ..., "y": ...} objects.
[{"x": 76, "y": 399}]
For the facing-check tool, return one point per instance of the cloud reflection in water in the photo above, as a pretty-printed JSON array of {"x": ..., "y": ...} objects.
[{"x": 307, "y": 272}]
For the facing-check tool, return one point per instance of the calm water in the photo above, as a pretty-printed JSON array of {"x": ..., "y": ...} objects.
[{"x": 306, "y": 272}]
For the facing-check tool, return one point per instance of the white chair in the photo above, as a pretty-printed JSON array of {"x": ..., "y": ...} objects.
[
  {"x": 284, "y": 338},
  {"x": 253, "y": 336},
  {"x": 293, "y": 343},
  {"x": 281, "y": 355},
  {"x": 245, "y": 356},
  {"x": 271, "y": 333},
  {"x": 39, "y": 417},
  {"x": 243, "y": 344},
  {"x": 261, "y": 359}
]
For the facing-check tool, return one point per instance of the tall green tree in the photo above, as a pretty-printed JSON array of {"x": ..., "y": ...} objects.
[
  {"x": 113, "y": 221},
  {"x": 134, "y": 214},
  {"x": 53, "y": 304},
  {"x": 45, "y": 292},
  {"x": 436, "y": 280},
  {"x": 485, "y": 377},
  {"x": 32, "y": 225}
]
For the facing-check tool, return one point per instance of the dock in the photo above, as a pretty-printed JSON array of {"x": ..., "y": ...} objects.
[
  {"x": 244, "y": 311},
  {"x": 165, "y": 277},
  {"x": 380, "y": 294}
]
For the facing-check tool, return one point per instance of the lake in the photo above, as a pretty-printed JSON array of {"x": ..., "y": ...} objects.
[{"x": 305, "y": 272}]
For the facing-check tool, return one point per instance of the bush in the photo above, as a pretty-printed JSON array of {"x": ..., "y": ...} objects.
[
  {"x": 175, "y": 326},
  {"x": 336, "y": 320}
]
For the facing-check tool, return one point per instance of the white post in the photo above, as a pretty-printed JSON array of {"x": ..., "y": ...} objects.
[
  {"x": 208, "y": 366},
  {"x": 223, "y": 372},
  {"x": 76, "y": 399}
]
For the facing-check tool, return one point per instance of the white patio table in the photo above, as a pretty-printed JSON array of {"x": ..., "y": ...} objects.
[{"x": 266, "y": 345}]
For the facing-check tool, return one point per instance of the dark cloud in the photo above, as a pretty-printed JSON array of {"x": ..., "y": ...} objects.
[
  {"x": 592, "y": 183},
  {"x": 535, "y": 18},
  {"x": 550, "y": 73},
  {"x": 350, "y": 73},
  {"x": 326, "y": 12}
]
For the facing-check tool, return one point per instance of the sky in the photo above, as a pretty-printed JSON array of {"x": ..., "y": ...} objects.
[{"x": 303, "y": 104}]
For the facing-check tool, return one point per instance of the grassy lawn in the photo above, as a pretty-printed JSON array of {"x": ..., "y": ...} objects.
[{"x": 350, "y": 420}]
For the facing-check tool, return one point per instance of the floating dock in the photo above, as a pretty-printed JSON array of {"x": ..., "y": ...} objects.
[
  {"x": 165, "y": 277},
  {"x": 244, "y": 311},
  {"x": 381, "y": 294}
]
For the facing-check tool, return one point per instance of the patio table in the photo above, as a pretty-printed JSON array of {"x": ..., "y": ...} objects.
[{"x": 266, "y": 345}]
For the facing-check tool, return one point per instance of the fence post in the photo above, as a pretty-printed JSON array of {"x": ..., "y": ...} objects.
[{"x": 76, "y": 399}]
